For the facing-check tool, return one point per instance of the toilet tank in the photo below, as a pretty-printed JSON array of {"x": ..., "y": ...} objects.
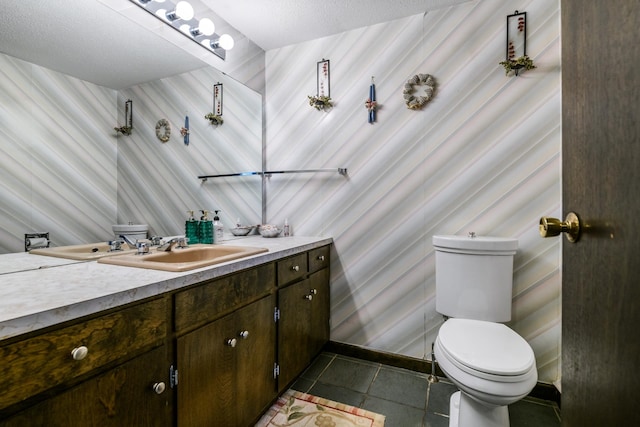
[{"x": 474, "y": 276}]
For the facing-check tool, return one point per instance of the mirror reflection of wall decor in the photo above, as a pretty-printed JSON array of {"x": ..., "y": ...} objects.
[
  {"x": 215, "y": 118},
  {"x": 516, "y": 48},
  {"x": 163, "y": 130},
  {"x": 184, "y": 131},
  {"x": 128, "y": 119},
  {"x": 322, "y": 100},
  {"x": 418, "y": 90}
]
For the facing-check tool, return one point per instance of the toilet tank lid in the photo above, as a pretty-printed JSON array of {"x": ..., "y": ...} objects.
[{"x": 476, "y": 243}]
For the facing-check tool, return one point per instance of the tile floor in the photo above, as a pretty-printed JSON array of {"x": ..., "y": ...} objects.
[{"x": 405, "y": 397}]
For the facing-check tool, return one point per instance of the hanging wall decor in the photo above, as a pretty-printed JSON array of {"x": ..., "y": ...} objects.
[
  {"x": 418, "y": 90},
  {"x": 215, "y": 118},
  {"x": 322, "y": 100},
  {"x": 184, "y": 131},
  {"x": 516, "y": 53},
  {"x": 163, "y": 130},
  {"x": 371, "y": 103},
  {"x": 128, "y": 119}
]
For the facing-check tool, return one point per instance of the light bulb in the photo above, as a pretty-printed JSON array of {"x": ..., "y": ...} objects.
[
  {"x": 184, "y": 10},
  {"x": 226, "y": 42},
  {"x": 206, "y": 26}
]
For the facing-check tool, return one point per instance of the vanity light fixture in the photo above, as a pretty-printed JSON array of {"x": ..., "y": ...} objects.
[{"x": 180, "y": 16}]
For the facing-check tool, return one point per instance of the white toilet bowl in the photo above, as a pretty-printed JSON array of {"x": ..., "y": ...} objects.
[{"x": 491, "y": 365}]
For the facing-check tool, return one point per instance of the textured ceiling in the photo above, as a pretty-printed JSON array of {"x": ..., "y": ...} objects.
[
  {"x": 276, "y": 23},
  {"x": 116, "y": 44}
]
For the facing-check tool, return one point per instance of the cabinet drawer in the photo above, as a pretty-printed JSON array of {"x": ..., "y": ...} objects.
[
  {"x": 36, "y": 364},
  {"x": 210, "y": 300},
  {"x": 292, "y": 268},
  {"x": 318, "y": 259}
]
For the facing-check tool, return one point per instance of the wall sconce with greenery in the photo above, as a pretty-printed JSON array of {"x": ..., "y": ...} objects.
[
  {"x": 128, "y": 119},
  {"x": 215, "y": 118},
  {"x": 322, "y": 100},
  {"x": 516, "y": 57}
]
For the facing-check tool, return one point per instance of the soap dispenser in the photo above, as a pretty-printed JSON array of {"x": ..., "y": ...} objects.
[
  {"x": 205, "y": 228},
  {"x": 191, "y": 229},
  {"x": 218, "y": 228}
]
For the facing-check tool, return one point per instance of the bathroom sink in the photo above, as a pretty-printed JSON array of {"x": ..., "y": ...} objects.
[
  {"x": 184, "y": 259},
  {"x": 89, "y": 251}
]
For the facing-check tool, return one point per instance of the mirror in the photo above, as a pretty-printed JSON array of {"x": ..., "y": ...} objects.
[{"x": 68, "y": 172}]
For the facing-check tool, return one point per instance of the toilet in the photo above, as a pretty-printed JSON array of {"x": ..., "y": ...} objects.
[{"x": 491, "y": 364}]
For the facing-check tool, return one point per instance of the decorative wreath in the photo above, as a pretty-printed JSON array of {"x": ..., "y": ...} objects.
[
  {"x": 163, "y": 130},
  {"x": 412, "y": 95}
]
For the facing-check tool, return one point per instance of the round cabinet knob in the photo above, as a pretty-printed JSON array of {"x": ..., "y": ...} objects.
[
  {"x": 79, "y": 353},
  {"x": 313, "y": 292},
  {"x": 159, "y": 388},
  {"x": 244, "y": 334},
  {"x": 232, "y": 342},
  {"x": 321, "y": 258},
  {"x": 308, "y": 297},
  {"x": 295, "y": 268}
]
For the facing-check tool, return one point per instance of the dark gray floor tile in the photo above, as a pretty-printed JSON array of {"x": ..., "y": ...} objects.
[
  {"x": 318, "y": 366},
  {"x": 303, "y": 385},
  {"x": 439, "y": 397},
  {"x": 400, "y": 386},
  {"x": 349, "y": 373},
  {"x": 397, "y": 415},
  {"x": 532, "y": 414},
  {"x": 435, "y": 420},
  {"x": 337, "y": 394}
]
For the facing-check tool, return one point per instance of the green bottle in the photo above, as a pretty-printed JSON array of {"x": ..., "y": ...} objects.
[
  {"x": 205, "y": 228},
  {"x": 191, "y": 229}
]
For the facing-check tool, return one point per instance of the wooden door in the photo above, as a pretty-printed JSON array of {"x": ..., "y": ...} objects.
[
  {"x": 256, "y": 353},
  {"x": 319, "y": 331},
  {"x": 293, "y": 331},
  {"x": 206, "y": 368},
  {"x": 122, "y": 396},
  {"x": 601, "y": 183}
]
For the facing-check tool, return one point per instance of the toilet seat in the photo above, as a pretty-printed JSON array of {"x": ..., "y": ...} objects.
[{"x": 487, "y": 350}]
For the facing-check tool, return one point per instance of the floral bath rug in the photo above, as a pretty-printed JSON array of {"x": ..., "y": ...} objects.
[{"x": 298, "y": 409}]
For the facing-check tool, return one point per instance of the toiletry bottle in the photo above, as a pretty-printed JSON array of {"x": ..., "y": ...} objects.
[
  {"x": 286, "y": 230},
  {"x": 206, "y": 228},
  {"x": 218, "y": 228},
  {"x": 191, "y": 229}
]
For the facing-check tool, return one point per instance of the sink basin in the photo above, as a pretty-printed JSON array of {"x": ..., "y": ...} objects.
[
  {"x": 89, "y": 251},
  {"x": 185, "y": 259}
]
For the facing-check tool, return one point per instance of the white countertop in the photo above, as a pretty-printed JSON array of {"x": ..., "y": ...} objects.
[{"x": 39, "y": 291}]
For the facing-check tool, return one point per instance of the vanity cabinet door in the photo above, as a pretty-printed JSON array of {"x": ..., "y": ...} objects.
[
  {"x": 128, "y": 395},
  {"x": 319, "y": 317},
  {"x": 294, "y": 329},
  {"x": 303, "y": 328},
  {"x": 226, "y": 368}
]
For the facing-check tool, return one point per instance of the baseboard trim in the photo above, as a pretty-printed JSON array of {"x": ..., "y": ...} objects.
[{"x": 541, "y": 391}]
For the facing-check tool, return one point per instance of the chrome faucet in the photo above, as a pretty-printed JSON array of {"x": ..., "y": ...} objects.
[
  {"x": 167, "y": 246},
  {"x": 129, "y": 242}
]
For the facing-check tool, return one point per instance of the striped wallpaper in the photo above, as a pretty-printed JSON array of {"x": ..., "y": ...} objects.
[{"x": 483, "y": 156}]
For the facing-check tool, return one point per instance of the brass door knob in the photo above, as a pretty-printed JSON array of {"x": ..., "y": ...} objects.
[{"x": 552, "y": 227}]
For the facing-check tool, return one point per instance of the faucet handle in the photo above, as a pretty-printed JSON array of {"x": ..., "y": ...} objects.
[
  {"x": 143, "y": 248},
  {"x": 156, "y": 240},
  {"x": 182, "y": 242},
  {"x": 115, "y": 245}
]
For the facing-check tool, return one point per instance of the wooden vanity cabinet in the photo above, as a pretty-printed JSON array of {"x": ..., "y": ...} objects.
[
  {"x": 226, "y": 365},
  {"x": 303, "y": 327},
  {"x": 221, "y": 337},
  {"x": 109, "y": 370}
]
